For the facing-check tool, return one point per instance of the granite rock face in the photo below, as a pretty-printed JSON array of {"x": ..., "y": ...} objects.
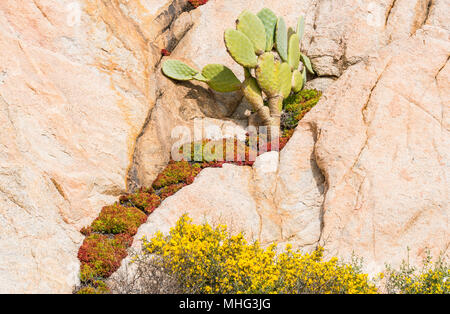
[
  {"x": 85, "y": 114},
  {"x": 179, "y": 104},
  {"x": 338, "y": 34},
  {"x": 366, "y": 170},
  {"x": 75, "y": 92}
]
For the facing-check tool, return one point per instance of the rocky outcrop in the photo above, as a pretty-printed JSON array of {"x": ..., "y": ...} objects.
[
  {"x": 366, "y": 170},
  {"x": 383, "y": 146},
  {"x": 341, "y": 33},
  {"x": 338, "y": 34},
  {"x": 180, "y": 104},
  {"x": 85, "y": 113},
  {"x": 75, "y": 92}
]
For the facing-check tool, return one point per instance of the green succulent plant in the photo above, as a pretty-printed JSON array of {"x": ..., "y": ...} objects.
[{"x": 271, "y": 57}]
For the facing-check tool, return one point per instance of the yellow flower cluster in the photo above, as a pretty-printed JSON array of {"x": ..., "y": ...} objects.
[
  {"x": 209, "y": 260},
  {"x": 433, "y": 278}
]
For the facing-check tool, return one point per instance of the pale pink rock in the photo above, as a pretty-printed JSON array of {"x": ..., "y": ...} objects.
[{"x": 74, "y": 95}]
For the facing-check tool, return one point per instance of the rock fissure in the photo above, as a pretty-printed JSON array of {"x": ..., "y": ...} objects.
[{"x": 389, "y": 11}]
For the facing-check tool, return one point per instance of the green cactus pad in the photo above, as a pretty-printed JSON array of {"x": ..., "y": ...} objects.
[
  {"x": 240, "y": 48},
  {"x": 252, "y": 92},
  {"x": 277, "y": 73},
  {"x": 178, "y": 70},
  {"x": 297, "y": 81},
  {"x": 220, "y": 78},
  {"x": 269, "y": 19},
  {"x": 281, "y": 39},
  {"x": 294, "y": 52},
  {"x": 304, "y": 76},
  {"x": 267, "y": 75},
  {"x": 301, "y": 27},
  {"x": 254, "y": 29},
  {"x": 307, "y": 63},
  {"x": 285, "y": 79}
]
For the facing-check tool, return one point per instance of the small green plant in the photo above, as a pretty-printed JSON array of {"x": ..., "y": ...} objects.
[
  {"x": 145, "y": 199},
  {"x": 117, "y": 219},
  {"x": 97, "y": 287},
  {"x": 296, "y": 106},
  {"x": 177, "y": 172},
  {"x": 270, "y": 55},
  {"x": 101, "y": 255}
]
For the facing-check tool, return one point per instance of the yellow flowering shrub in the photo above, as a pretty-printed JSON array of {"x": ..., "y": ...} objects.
[
  {"x": 209, "y": 260},
  {"x": 433, "y": 278}
]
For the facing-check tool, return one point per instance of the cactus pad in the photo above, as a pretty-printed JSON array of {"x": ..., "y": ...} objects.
[
  {"x": 297, "y": 81},
  {"x": 252, "y": 92},
  {"x": 220, "y": 78},
  {"x": 178, "y": 70},
  {"x": 267, "y": 74},
  {"x": 301, "y": 27},
  {"x": 294, "y": 52},
  {"x": 304, "y": 76},
  {"x": 285, "y": 79},
  {"x": 281, "y": 39},
  {"x": 307, "y": 63},
  {"x": 254, "y": 29},
  {"x": 240, "y": 48},
  {"x": 269, "y": 19}
]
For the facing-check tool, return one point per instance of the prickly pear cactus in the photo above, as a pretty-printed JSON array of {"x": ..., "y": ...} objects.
[
  {"x": 257, "y": 44},
  {"x": 267, "y": 74},
  {"x": 307, "y": 63}
]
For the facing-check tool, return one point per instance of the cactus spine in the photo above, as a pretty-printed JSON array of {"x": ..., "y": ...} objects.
[{"x": 253, "y": 45}]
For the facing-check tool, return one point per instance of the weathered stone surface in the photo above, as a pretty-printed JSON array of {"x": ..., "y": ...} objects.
[
  {"x": 74, "y": 95},
  {"x": 365, "y": 172},
  {"x": 340, "y": 33},
  {"x": 320, "y": 83},
  {"x": 383, "y": 146},
  {"x": 226, "y": 196}
]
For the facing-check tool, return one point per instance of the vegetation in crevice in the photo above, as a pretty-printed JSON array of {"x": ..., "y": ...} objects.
[
  {"x": 202, "y": 259},
  {"x": 110, "y": 234},
  {"x": 296, "y": 106}
]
